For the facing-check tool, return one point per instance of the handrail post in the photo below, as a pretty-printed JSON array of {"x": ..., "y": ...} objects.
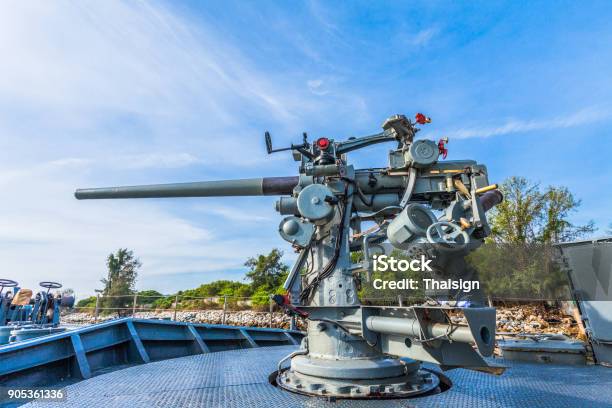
[
  {"x": 224, "y": 309},
  {"x": 175, "y": 305},
  {"x": 134, "y": 305},
  {"x": 271, "y": 310},
  {"x": 97, "y": 308}
]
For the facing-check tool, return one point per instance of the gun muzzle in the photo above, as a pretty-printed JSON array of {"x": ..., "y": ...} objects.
[
  {"x": 490, "y": 199},
  {"x": 221, "y": 188}
]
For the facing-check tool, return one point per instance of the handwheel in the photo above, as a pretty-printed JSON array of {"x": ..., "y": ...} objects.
[
  {"x": 7, "y": 283},
  {"x": 50, "y": 285},
  {"x": 448, "y": 234}
]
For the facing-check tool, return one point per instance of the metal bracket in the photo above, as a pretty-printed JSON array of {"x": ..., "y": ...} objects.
[
  {"x": 81, "y": 357},
  {"x": 412, "y": 173},
  {"x": 198, "y": 339},
  {"x": 142, "y": 352}
]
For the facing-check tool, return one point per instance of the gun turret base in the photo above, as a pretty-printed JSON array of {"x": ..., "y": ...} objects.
[{"x": 358, "y": 379}]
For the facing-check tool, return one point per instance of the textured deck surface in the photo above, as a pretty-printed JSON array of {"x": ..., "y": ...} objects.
[{"x": 240, "y": 379}]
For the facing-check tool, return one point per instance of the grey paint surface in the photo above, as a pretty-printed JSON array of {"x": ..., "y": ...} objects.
[
  {"x": 589, "y": 266},
  {"x": 239, "y": 378}
]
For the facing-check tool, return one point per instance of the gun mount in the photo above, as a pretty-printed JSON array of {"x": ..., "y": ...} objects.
[
  {"x": 354, "y": 351},
  {"x": 24, "y": 316}
]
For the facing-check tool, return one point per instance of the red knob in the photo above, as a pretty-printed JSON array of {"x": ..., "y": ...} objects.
[
  {"x": 323, "y": 143},
  {"x": 422, "y": 119}
]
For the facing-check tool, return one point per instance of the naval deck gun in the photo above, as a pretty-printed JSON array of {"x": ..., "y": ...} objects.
[{"x": 352, "y": 350}]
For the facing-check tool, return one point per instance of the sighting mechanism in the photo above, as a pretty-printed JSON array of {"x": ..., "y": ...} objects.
[{"x": 419, "y": 203}]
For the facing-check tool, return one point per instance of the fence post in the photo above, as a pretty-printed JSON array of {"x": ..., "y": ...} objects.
[
  {"x": 134, "y": 305},
  {"x": 271, "y": 310},
  {"x": 175, "y": 306},
  {"x": 224, "y": 309},
  {"x": 97, "y": 308},
  {"x": 399, "y": 300}
]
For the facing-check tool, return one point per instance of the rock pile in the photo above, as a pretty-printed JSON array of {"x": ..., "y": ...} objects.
[
  {"x": 531, "y": 319},
  {"x": 233, "y": 318},
  {"x": 526, "y": 319}
]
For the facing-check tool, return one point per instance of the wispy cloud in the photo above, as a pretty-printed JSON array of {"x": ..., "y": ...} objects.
[
  {"x": 316, "y": 87},
  {"x": 95, "y": 87},
  {"x": 132, "y": 161},
  {"x": 155, "y": 160},
  {"x": 233, "y": 214},
  {"x": 423, "y": 37},
  {"x": 582, "y": 117},
  {"x": 134, "y": 57},
  {"x": 105, "y": 92}
]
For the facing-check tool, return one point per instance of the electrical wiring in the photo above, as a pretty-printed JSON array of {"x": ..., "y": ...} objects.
[{"x": 309, "y": 289}]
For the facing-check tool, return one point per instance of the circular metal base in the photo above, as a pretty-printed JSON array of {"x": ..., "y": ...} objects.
[
  {"x": 358, "y": 379},
  {"x": 26, "y": 332},
  {"x": 239, "y": 379}
]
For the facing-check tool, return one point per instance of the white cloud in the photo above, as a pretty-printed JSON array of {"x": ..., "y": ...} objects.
[
  {"x": 91, "y": 88},
  {"x": 134, "y": 57},
  {"x": 101, "y": 92},
  {"x": 235, "y": 213},
  {"x": 316, "y": 87},
  {"x": 132, "y": 161},
  {"x": 45, "y": 234},
  {"x": 423, "y": 37},
  {"x": 167, "y": 160},
  {"x": 582, "y": 117}
]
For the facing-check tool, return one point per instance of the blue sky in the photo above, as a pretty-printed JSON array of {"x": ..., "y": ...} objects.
[{"x": 110, "y": 93}]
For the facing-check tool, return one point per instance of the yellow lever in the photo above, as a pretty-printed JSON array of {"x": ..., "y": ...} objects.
[{"x": 487, "y": 188}]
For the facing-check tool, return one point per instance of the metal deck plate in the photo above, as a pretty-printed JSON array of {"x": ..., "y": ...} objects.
[{"x": 239, "y": 378}]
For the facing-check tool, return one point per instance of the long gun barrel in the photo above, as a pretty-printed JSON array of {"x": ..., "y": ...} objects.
[{"x": 221, "y": 188}]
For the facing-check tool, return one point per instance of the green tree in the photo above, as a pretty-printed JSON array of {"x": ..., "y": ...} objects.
[
  {"x": 559, "y": 202},
  {"x": 261, "y": 297},
  {"x": 147, "y": 297},
  {"x": 517, "y": 260},
  {"x": 119, "y": 284},
  {"x": 515, "y": 219},
  {"x": 529, "y": 214},
  {"x": 267, "y": 273},
  {"x": 266, "y": 270}
]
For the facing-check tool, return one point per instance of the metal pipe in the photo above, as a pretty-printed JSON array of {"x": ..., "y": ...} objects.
[
  {"x": 219, "y": 188},
  {"x": 412, "y": 328},
  {"x": 323, "y": 170},
  {"x": 300, "y": 352}
]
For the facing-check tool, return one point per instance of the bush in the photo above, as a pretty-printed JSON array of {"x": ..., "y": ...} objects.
[
  {"x": 87, "y": 302},
  {"x": 261, "y": 297}
]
